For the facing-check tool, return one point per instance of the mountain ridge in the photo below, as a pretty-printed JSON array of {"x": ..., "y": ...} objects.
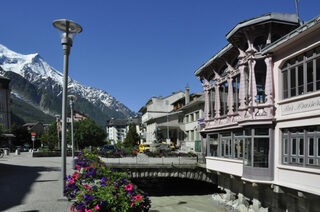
[{"x": 44, "y": 81}]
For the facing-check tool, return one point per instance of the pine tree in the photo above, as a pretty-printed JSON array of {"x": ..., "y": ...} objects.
[{"x": 132, "y": 137}]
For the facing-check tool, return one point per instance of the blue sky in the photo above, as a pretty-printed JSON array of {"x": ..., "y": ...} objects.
[{"x": 134, "y": 49}]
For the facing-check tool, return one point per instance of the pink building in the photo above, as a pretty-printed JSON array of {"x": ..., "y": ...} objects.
[{"x": 262, "y": 112}]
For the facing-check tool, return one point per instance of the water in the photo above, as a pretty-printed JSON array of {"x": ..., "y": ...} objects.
[{"x": 180, "y": 195}]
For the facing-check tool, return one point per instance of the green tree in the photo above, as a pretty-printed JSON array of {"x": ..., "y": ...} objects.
[
  {"x": 50, "y": 138},
  {"x": 88, "y": 133},
  {"x": 132, "y": 137},
  {"x": 22, "y": 136}
]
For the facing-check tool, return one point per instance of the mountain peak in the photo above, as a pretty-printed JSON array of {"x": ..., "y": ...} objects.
[{"x": 38, "y": 72}]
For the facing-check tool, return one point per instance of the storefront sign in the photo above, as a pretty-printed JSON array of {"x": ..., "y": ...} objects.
[{"x": 301, "y": 106}]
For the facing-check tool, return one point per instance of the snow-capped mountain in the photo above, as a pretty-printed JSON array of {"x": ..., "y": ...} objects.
[{"x": 39, "y": 73}]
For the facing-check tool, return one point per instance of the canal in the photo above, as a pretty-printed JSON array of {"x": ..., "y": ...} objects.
[{"x": 179, "y": 195}]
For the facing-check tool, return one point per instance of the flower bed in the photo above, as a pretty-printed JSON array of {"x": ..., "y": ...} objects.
[{"x": 94, "y": 187}]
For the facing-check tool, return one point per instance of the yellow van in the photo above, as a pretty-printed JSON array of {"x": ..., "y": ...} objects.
[{"x": 144, "y": 148}]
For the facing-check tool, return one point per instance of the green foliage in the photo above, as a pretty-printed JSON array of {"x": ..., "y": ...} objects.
[
  {"x": 22, "y": 136},
  {"x": 88, "y": 133},
  {"x": 50, "y": 138},
  {"x": 132, "y": 138}
]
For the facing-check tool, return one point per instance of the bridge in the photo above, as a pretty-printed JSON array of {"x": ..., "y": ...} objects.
[{"x": 143, "y": 166}]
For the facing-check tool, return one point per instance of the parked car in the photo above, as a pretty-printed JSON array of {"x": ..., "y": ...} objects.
[
  {"x": 25, "y": 149},
  {"x": 171, "y": 146},
  {"x": 108, "y": 148},
  {"x": 144, "y": 148}
]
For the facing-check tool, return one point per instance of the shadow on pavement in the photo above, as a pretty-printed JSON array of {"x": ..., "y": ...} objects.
[{"x": 16, "y": 182}]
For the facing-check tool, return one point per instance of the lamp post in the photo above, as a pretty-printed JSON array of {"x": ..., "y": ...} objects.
[
  {"x": 68, "y": 29},
  {"x": 58, "y": 121},
  {"x": 72, "y": 98}
]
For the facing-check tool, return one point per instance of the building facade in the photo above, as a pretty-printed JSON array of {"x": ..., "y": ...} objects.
[
  {"x": 179, "y": 124},
  {"x": 5, "y": 117},
  {"x": 117, "y": 130},
  {"x": 156, "y": 107},
  {"x": 262, "y": 111}
]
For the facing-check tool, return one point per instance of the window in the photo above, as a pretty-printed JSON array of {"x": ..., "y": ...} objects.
[
  {"x": 261, "y": 152},
  {"x": 211, "y": 103},
  {"x": 304, "y": 146},
  {"x": 260, "y": 73},
  {"x": 301, "y": 74},
  {"x": 197, "y": 115},
  {"x": 249, "y": 145},
  {"x": 236, "y": 88},
  {"x": 223, "y": 89},
  {"x": 247, "y": 152}
]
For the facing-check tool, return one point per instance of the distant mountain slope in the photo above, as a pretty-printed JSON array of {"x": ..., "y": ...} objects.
[
  {"x": 25, "y": 113},
  {"x": 40, "y": 85}
]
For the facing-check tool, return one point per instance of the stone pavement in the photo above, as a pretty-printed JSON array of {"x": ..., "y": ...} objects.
[{"x": 31, "y": 184}]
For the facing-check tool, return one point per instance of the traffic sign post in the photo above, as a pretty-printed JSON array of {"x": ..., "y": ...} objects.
[{"x": 33, "y": 138}]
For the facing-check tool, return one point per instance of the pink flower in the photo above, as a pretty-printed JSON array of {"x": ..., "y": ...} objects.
[
  {"x": 86, "y": 186},
  {"x": 97, "y": 207},
  {"x": 138, "y": 197},
  {"x": 87, "y": 210},
  {"x": 71, "y": 181},
  {"x": 128, "y": 187},
  {"x": 71, "y": 208}
]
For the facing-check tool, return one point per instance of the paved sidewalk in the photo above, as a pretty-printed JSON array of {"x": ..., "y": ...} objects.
[{"x": 31, "y": 184}]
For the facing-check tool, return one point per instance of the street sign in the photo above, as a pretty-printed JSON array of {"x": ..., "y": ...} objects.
[{"x": 33, "y": 133}]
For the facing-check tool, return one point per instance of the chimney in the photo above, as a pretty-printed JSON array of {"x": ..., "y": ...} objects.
[{"x": 187, "y": 95}]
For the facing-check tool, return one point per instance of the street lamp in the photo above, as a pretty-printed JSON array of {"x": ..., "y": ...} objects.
[
  {"x": 58, "y": 123},
  {"x": 68, "y": 30},
  {"x": 72, "y": 98}
]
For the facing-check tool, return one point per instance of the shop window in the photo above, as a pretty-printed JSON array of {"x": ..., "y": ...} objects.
[
  {"x": 261, "y": 152},
  {"x": 304, "y": 146},
  {"x": 247, "y": 152},
  {"x": 238, "y": 148},
  {"x": 213, "y": 145},
  {"x": 285, "y": 150}
]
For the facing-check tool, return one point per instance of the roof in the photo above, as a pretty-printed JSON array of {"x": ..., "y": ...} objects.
[
  {"x": 280, "y": 42},
  {"x": 273, "y": 16},
  {"x": 116, "y": 122},
  {"x": 278, "y": 17},
  {"x": 217, "y": 55},
  {"x": 191, "y": 95},
  {"x": 143, "y": 108},
  {"x": 192, "y": 103},
  {"x": 30, "y": 124}
]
